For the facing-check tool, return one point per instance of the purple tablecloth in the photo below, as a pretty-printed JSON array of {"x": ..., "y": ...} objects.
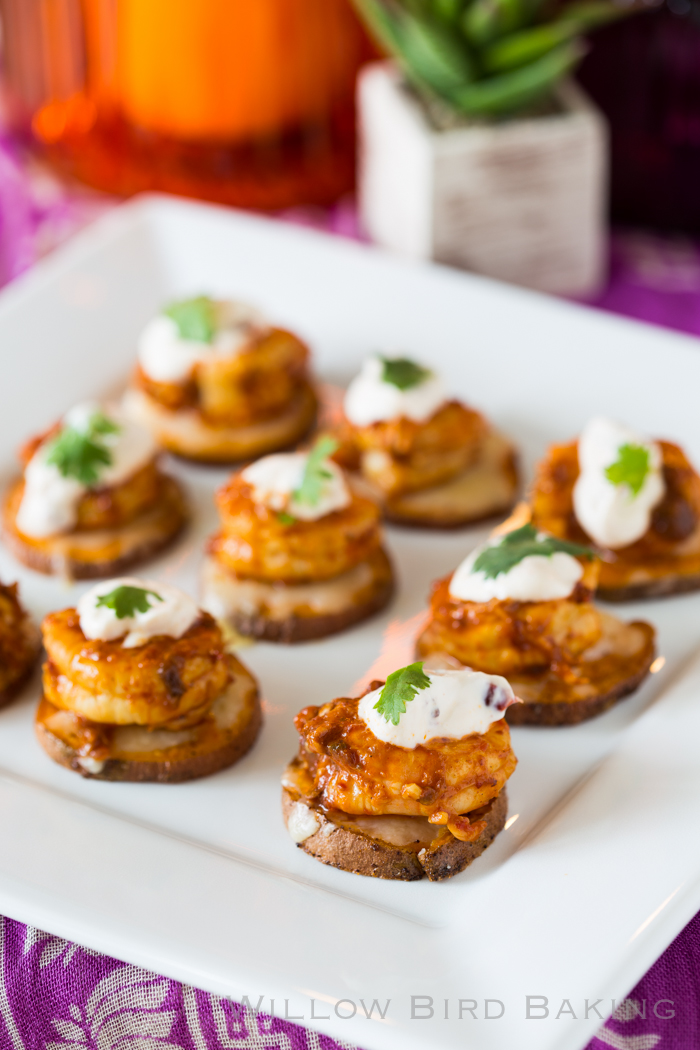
[{"x": 58, "y": 996}]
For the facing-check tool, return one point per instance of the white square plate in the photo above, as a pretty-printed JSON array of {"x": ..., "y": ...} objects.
[{"x": 200, "y": 882}]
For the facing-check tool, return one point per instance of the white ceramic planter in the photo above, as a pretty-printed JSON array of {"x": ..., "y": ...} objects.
[{"x": 523, "y": 201}]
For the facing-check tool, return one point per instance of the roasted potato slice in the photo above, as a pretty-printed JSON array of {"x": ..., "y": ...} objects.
[
  {"x": 404, "y": 848},
  {"x": 136, "y": 753},
  {"x": 298, "y": 612},
  {"x": 93, "y": 551},
  {"x": 185, "y": 432}
]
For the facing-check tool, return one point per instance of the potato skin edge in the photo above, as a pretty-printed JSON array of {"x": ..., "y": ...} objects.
[
  {"x": 662, "y": 587},
  {"x": 157, "y": 772},
  {"x": 358, "y": 853},
  {"x": 230, "y": 449},
  {"x": 293, "y": 628},
  {"x": 570, "y": 714},
  {"x": 459, "y": 520},
  {"x": 307, "y": 628}
]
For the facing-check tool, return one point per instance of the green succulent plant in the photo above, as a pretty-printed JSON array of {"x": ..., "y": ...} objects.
[{"x": 485, "y": 58}]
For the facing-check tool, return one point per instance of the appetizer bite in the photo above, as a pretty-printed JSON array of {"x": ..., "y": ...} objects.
[
  {"x": 216, "y": 383},
  {"x": 92, "y": 499},
  {"x": 20, "y": 643},
  {"x": 637, "y": 501},
  {"x": 427, "y": 459},
  {"x": 406, "y": 781},
  {"x": 520, "y": 606},
  {"x": 139, "y": 685},
  {"x": 299, "y": 555}
]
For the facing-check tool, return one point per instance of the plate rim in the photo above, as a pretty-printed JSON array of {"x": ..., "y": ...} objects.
[{"x": 29, "y": 908}]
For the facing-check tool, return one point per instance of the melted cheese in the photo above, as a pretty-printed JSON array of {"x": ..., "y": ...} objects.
[
  {"x": 224, "y": 594},
  {"x": 302, "y": 822}
]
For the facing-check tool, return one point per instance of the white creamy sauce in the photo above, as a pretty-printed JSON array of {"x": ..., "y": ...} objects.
[
  {"x": 370, "y": 400},
  {"x": 302, "y": 822},
  {"x": 91, "y": 765},
  {"x": 173, "y": 615},
  {"x": 613, "y": 515},
  {"x": 50, "y": 501},
  {"x": 276, "y": 478},
  {"x": 537, "y": 578},
  {"x": 168, "y": 358},
  {"x": 455, "y": 704}
]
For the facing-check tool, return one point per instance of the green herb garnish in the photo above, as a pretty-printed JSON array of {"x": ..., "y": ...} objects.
[
  {"x": 400, "y": 688},
  {"x": 81, "y": 454},
  {"x": 315, "y": 472},
  {"x": 402, "y": 373},
  {"x": 284, "y": 518},
  {"x": 630, "y": 468},
  {"x": 523, "y": 543},
  {"x": 195, "y": 318},
  {"x": 100, "y": 424},
  {"x": 127, "y": 600}
]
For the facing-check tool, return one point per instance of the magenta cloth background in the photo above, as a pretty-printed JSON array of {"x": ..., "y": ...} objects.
[{"x": 55, "y": 995}]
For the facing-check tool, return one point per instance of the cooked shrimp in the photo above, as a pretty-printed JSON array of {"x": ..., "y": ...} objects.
[
  {"x": 250, "y": 386},
  {"x": 505, "y": 637},
  {"x": 355, "y": 772},
  {"x": 401, "y": 455},
  {"x": 256, "y": 542},
  {"x": 166, "y": 682}
]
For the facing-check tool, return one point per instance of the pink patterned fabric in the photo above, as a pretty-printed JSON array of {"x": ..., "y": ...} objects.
[
  {"x": 55, "y": 995},
  {"x": 58, "y": 996}
]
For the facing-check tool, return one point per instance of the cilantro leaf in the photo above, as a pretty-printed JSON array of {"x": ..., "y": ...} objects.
[
  {"x": 100, "y": 424},
  {"x": 400, "y": 688},
  {"x": 195, "y": 318},
  {"x": 630, "y": 468},
  {"x": 315, "y": 472},
  {"x": 81, "y": 454},
  {"x": 402, "y": 373},
  {"x": 284, "y": 518},
  {"x": 126, "y": 600},
  {"x": 523, "y": 543}
]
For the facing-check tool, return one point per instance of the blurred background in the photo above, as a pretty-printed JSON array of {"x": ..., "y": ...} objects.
[{"x": 554, "y": 145}]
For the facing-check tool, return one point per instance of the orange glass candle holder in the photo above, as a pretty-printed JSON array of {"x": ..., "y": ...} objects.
[{"x": 247, "y": 102}]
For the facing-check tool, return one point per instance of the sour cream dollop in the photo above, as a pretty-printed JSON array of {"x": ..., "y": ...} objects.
[
  {"x": 170, "y": 612},
  {"x": 455, "y": 704},
  {"x": 50, "y": 500},
  {"x": 168, "y": 358},
  {"x": 369, "y": 399},
  {"x": 613, "y": 515},
  {"x": 276, "y": 478},
  {"x": 537, "y": 578}
]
